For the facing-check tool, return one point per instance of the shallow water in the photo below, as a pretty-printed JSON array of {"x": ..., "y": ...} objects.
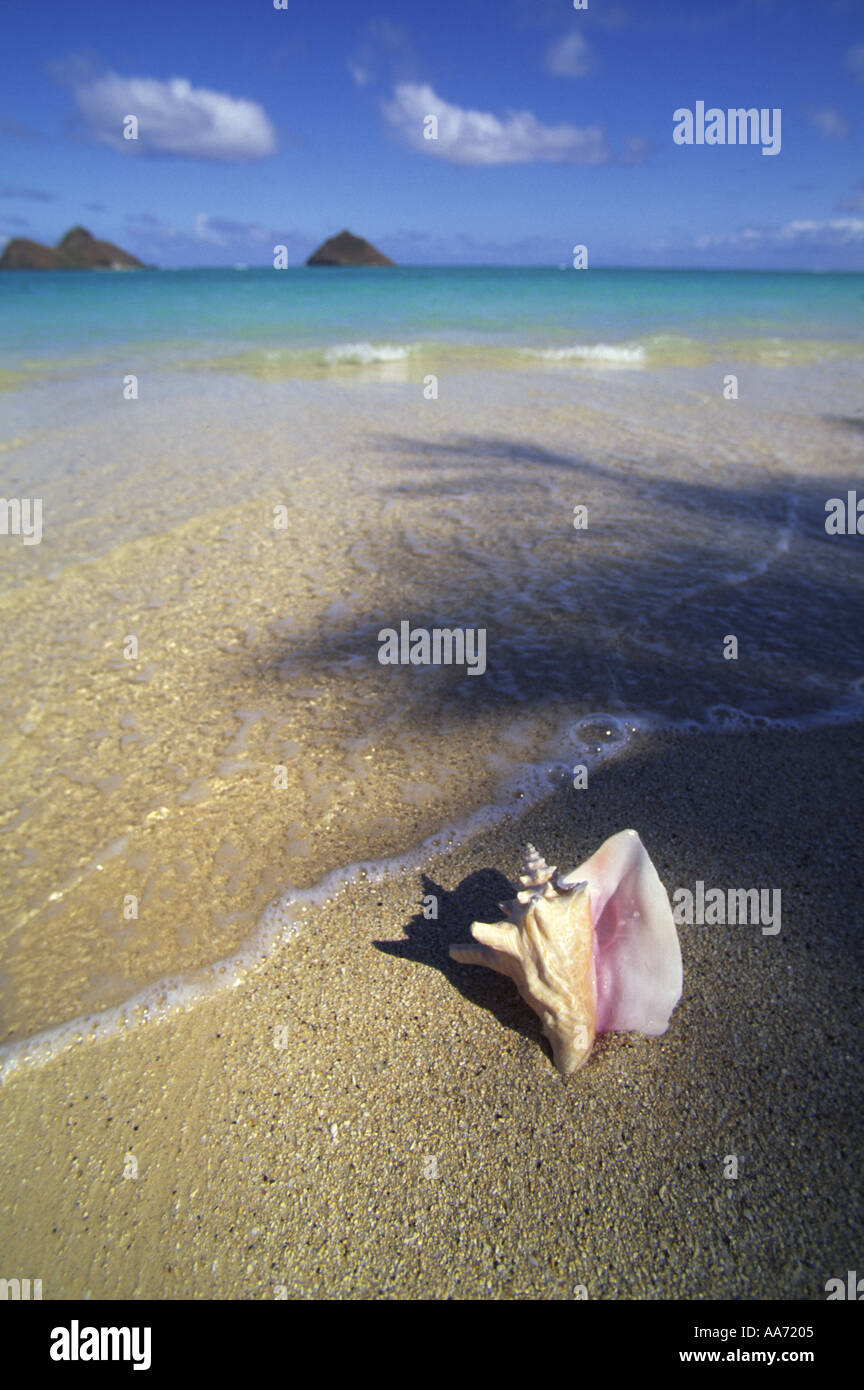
[{"x": 156, "y": 807}]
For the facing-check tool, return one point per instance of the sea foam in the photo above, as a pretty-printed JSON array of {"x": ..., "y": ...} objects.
[
  {"x": 617, "y": 354},
  {"x": 365, "y": 353}
]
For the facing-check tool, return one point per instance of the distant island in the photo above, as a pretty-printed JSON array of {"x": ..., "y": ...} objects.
[
  {"x": 347, "y": 249},
  {"x": 78, "y": 250}
]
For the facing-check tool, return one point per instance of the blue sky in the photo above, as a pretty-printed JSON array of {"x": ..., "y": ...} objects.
[{"x": 260, "y": 126}]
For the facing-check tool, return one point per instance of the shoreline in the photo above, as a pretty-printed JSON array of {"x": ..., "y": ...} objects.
[
  {"x": 612, "y": 1180},
  {"x": 285, "y": 915}
]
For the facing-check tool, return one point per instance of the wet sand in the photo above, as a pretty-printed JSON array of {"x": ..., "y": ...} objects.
[{"x": 360, "y": 1117}]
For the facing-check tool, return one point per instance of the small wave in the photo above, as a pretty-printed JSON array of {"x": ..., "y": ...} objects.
[
  {"x": 364, "y": 353},
  {"x": 287, "y": 913},
  {"x": 618, "y": 354},
  {"x": 590, "y": 741}
]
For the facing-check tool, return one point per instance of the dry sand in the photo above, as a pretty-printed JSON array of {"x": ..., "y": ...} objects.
[{"x": 412, "y": 1139}]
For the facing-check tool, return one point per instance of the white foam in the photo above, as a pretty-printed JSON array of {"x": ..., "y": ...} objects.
[
  {"x": 781, "y": 546},
  {"x": 365, "y": 353},
  {"x": 632, "y": 355},
  {"x": 730, "y": 719}
]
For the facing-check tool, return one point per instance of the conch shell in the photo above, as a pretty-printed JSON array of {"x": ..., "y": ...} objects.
[{"x": 595, "y": 951}]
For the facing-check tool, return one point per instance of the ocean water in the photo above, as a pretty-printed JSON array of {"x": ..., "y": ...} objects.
[
  {"x": 303, "y": 318},
  {"x": 285, "y": 486}
]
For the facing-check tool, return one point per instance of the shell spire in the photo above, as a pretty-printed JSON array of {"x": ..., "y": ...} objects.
[
  {"x": 536, "y": 871},
  {"x": 546, "y": 948}
]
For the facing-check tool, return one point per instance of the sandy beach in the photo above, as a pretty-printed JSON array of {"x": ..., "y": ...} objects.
[
  {"x": 430, "y": 453},
  {"x": 411, "y": 1139}
]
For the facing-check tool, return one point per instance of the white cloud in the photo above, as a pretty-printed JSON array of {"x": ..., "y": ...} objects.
[
  {"x": 855, "y": 61},
  {"x": 221, "y": 231},
  {"x": 362, "y": 76},
  {"x": 211, "y": 239},
  {"x": 570, "y": 56},
  {"x": 205, "y": 231},
  {"x": 837, "y": 231},
  {"x": 831, "y": 122},
  {"x": 385, "y": 47},
  {"x": 468, "y": 137},
  {"x": 174, "y": 118}
]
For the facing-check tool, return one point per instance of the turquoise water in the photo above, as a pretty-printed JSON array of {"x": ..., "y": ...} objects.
[{"x": 657, "y": 315}]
